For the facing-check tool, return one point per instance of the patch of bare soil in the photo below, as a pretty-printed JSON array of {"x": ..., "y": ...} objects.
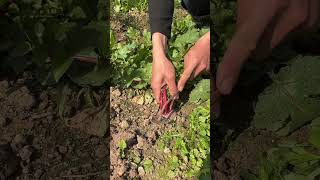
[
  {"x": 242, "y": 155},
  {"x": 132, "y": 120},
  {"x": 36, "y": 144},
  {"x": 135, "y": 19}
]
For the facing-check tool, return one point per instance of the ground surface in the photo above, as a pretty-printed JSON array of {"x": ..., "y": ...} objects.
[
  {"x": 36, "y": 144},
  {"x": 133, "y": 119}
]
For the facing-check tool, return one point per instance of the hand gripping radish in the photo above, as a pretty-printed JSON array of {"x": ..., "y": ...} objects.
[{"x": 166, "y": 105}]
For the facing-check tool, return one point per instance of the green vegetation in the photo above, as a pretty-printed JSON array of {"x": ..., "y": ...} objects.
[
  {"x": 189, "y": 150},
  {"x": 45, "y": 35},
  {"x": 122, "y": 147}
]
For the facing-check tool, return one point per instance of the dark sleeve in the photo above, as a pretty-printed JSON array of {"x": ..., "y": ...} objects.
[{"x": 160, "y": 15}]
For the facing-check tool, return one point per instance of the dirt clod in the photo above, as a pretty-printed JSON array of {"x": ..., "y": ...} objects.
[
  {"x": 124, "y": 125},
  {"x": 22, "y": 98},
  {"x": 25, "y": 153},
  {"x": 63, "y": 149},
  {"x": 18, "y": 142}
]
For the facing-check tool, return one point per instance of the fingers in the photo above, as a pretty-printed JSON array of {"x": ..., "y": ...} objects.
[
  {"x": 294, "y": 15},
  {"x": 171, "y": 82},
  {"x": 244, "y": 42},
  {"x": 156, "y": 88},
  {"x": 187, "y": 73},
  {"x": 314, "y": 15}
]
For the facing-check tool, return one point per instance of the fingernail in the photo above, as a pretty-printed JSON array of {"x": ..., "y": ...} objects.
[{"x": 225, "y": 86}]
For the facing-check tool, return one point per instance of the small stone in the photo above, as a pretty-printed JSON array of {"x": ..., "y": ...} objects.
[
  {"x": 121, "y": 170},
  {"x": 44, "y": 101},
  {"x": 141, "y": 171},
  {"x": 124, "y": 124},
  {"x": 38, "y": 173},
  {"x": 116, "y": 93},
  {"x": 63, "y": 149},
  {"x": 140, "y": 142},
  {"x": 140, "y": 100},
  {"x": 101, "y": 152},
  {"x": 25, "y": 153},
  {"x": 18, "y": 142},
  {"x": 117, "y": 110},
  {"x": 3, "y": 121},
  {"x": 148, "y": 97},
  {"x": 166, "y": 150}
]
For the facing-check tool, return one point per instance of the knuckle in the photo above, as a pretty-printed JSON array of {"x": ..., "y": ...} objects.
[{"x": 203, "y": 66}]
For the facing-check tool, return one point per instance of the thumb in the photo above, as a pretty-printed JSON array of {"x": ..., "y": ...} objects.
[{"x": 184, "y": 78}]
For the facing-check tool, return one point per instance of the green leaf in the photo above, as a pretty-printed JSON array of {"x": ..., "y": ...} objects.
[
  {"x": 290, "y": 101},
  {"x": 78, "y": 13},
  {"x": 96, "y": 77},
  {"x": 148, "y": 165},
  {"x": 315, "y": 133},
  {"x": 60, "y": 67},
  {"x": 201, "y": 92},
  {"x": 39, "y": 29}
]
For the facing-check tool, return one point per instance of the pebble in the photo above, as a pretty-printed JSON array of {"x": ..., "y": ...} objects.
[
  {"x": 140, "y": 142},
  {"x": 25, "y": 153},
  {"x": 166, "y": 150},
  {"x": 38, "y": 173},
  {"x": 18, "y": 142},
  {"x": 116, "y": 93},
  {"x": 121, "y": 170},
  {"x": 141, "y": 171},
  {"x": 63, "y": 149},
  {"x": 3, "y": 121},
  {"x": 124, "y": 124}
]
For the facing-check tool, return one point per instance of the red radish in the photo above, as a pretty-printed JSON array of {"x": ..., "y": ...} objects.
[{"x": 165, "y": 105}]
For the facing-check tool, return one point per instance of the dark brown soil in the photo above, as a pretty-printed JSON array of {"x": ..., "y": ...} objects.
[{"x": 35, "y": 143}]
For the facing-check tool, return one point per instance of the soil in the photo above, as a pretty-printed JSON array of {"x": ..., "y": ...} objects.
[
  {"x": 134, "y": 120},
  {"x": 35, "y": 143}
]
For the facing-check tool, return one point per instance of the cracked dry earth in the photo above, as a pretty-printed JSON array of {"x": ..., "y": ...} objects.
[{"x": 132, "y": 114}]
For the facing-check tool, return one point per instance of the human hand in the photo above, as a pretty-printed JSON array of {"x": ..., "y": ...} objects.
[
  {"x": 261, "y": 26},
  {"x": 163, "y": 71},
  {"x": 196, "y": 60}
]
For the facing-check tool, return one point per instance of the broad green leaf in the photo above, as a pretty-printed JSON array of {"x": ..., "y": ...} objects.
[
  {"x": 148, "y": 165},
  {"x": 96, "y": 77},
  {"x": 201, "y": 92},
  {"x": 60, "y": 67},
  {"x": 289, "y": 102}
]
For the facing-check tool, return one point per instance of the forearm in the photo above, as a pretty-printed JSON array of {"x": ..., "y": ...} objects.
[{"x": 159, "y": 45}]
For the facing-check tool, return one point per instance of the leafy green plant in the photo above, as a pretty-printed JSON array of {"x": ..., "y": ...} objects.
[
  {"x": 148, "y": 165},
  {"x": 287, "y": 162},
  {"x": 124, "y": 6},
  {"x": 47, "y": 34},
  {"x": 122, "y": 146},
  {"x": 293, "y": 98},
  {"x": 191, "y": 147},
  {"x": 201, "y": 92}
]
